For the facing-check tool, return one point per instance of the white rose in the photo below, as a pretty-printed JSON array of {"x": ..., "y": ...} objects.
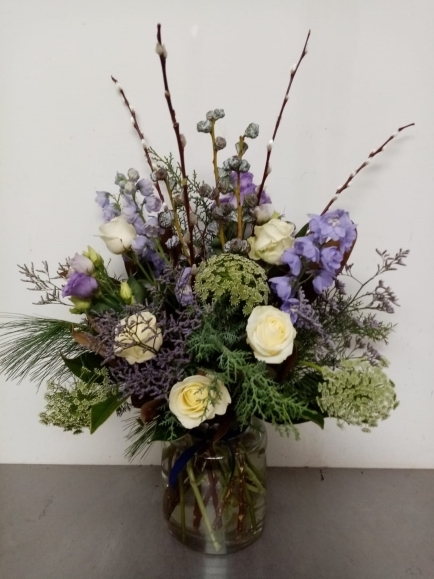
[
  {"x": 270, "y": 334},
  {"x": 191, "y": 402},
  {"x": 118, "y": 235},
  {"x": 271, "y": 240},
  {"x": 140, "y": 340}
]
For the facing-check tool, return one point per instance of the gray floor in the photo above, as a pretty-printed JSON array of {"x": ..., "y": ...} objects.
[{"x": 66, "y": 522}]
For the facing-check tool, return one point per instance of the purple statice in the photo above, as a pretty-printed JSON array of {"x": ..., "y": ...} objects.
[
  {"x": 247, "y": 187},
  {"x": 305, "y": 247},
  {"x": 291, "y": 259},
  {"x": 322, "y": 280},
  {"x": 154, "y": 377},
  {"x": 331, "y": 258},
  {"x": 335, "y": 225},
  {"x": 281, "y": 286},
  {"x": 183, "y": 289},
  {"x": 301, "y": 312},
  {"x": 80, "y": 285}
]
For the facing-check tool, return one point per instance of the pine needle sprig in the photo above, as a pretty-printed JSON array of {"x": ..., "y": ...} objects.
[
  {"x": 32, "y": 346},
  {"x": 141, "y": 435}
]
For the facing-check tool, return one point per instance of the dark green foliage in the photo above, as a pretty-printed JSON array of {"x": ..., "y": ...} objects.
[{"x": 32, "y": 346}]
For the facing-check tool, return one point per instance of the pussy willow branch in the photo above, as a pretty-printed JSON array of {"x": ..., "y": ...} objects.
[
  {"x": 139, "y": 132},
  {"x": 362, "y": 166},
  {"x": 294, "y": 69},
  {"x": 161, "y": 51}
]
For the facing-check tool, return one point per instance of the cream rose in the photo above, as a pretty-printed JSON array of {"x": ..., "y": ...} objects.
[
  {"x": 118, "y": 235},
  {"x": 270, "y": 241},
  {"x": 270, "y": 334},
  {"x": 192, "y": 403},
  {"x": 140, "y": 340}
]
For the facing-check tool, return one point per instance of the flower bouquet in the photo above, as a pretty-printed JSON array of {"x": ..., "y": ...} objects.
[{"x": 226, "y": 316}]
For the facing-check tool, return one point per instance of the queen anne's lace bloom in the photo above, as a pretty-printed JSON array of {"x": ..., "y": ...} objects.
[
  {"x": 235, "y": 277},
  {"x": 357, "y": 393}
]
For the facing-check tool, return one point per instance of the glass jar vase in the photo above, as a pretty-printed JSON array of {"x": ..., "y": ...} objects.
[{"x": 214, "y": 495}]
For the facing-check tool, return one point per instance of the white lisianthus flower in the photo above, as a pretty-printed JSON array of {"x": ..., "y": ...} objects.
[
  {"x": 80, "y": 264},
  {"x": 118, "y": 235},
  {"x": 271, "y": 240},
  {"x": 270, "y": 334},
  {"x": 192, "y": 402},
  {"x": 140, "y": 339}
]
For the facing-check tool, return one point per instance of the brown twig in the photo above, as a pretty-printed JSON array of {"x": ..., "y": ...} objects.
[
  {"x": 180, "y": 139},
  {"x": 267, "y": 169},
  {"x": 362, "y": 166},
  {"x": 139, "y": 132}
]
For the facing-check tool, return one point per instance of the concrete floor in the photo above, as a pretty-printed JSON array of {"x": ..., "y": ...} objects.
[{"x": 95, "y": 522}]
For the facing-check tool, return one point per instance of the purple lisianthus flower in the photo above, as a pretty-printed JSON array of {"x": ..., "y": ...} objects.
[
  {"x": 331, "y": 258},
  {"x": 322, "y": 280},
  {"x": 145, "y": 187},
  {"x": 80, "y": 264},
  {"x": 183, "y": 289},
  {"x": 281, "y": 286},
  {"x": 102, "y": 198},
  {"x": 305, "y": 246},
  {"x": 153, "y": 204},
  {"x": 291, "y": 258},
  {"x": 291, "y": 307},
  {"x": 80, "y": 285}
]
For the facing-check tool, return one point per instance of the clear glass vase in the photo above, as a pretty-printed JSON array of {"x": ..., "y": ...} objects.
[{"x": 214, "y": 496}]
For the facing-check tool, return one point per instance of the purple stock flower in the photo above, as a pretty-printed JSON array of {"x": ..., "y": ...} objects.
[
  {"x": 335, "y": 225},
  {"x": 183, "y": 289},
  {"x": 304, "y": 246},
  {"x": 281, "y": 286},
  {"x": 153, "y": 204},
  {"x": 291, "y": 259},
  {"x": 140, "y": 244},
  {"x": 145, "y": 187},
  {"x": 247, "y": 187},
  {"x": 331, "y": 258},
  {"x": 152, "y": 227},
  {"x": 109, "y": 212},
  {"x": 322, "y": 281},
  {"x": 291, "y": 307},
  {"x": 102, "y": 198},
  {"x": 80, "y": 285}
]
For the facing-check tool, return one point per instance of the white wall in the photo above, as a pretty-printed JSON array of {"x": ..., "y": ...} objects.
[{"x": 64, "y": 133}]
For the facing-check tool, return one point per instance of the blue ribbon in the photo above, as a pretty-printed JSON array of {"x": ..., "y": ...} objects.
[{"x": 188, "y": 454}]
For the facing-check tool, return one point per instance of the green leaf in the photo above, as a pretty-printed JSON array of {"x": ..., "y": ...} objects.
[
  {"x": 84, "y": 366},
  {"x": 303, "y": 231},
  {"x": 138, "y": 290},
  {"x": 313, "y": 416},
  {"x": 101, "y": 411}
]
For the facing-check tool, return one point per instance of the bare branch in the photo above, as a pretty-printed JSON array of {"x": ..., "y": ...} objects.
[
  {"x": 139, "y": 132},
  {"x": 362, "y": 166},
  {"x": 162, "y": 53},
  {"x": 267, "y": 169}
]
